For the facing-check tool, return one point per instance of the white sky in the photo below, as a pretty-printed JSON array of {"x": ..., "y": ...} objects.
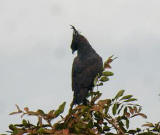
[{"x": 36, "y": 60}]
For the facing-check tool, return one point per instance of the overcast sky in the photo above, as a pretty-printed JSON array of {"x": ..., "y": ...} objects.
[{"x": 36, "y": 59}]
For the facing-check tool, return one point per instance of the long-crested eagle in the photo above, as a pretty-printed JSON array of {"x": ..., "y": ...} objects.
[{"x": 86, "y": 65}]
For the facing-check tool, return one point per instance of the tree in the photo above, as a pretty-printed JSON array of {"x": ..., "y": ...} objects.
[{"x": 108, "y": 116}]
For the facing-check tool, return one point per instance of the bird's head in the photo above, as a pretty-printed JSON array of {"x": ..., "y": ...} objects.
[{"x": 75, "y": 40}]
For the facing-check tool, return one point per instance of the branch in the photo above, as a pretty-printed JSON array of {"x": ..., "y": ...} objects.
[{"x": 113, "y": 122}]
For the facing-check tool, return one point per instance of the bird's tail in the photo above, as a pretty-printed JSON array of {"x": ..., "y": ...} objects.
[{"x": 80, "y": 96}]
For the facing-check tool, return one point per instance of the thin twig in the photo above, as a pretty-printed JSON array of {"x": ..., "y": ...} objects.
[{"x": 113, "y": 122}]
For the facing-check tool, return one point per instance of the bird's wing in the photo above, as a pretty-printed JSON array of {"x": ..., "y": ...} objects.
[{"x": 84, "y": 72}]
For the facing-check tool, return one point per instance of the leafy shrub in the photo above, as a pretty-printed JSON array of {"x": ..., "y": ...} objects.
[{"x": 107, "y": 116}]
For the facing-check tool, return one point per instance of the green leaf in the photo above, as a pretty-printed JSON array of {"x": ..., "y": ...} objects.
[
  {"x": 77, "y": 130},
  {"x": 107, "y": 73},
  {"x": 100, "y": 84},
  {"x": 119, "y": 94},
  {"x": 12, "y": 127},
  {"x": 122, "y": 126},
  {"x": 127, "y": 123},
  {"x": 24, "y": 122},
  {"x": 132, "y": 131},
  {"x": 97, "y": 115},
  {"x": 95, "y": 80},
  {"x": 125, "y": 110},
  {"x": 131, "y": 99},
  {"x": 120, "y": 109},
  {"x": 104, "y": 79},
  {"x": 106, "y": 128},
  {"x": 90, "y": 124},
  {"x": 139, "y": 109},
  {"x": 115, "y": 107},
  {"x": 106, "y": 109},
  {"x": 41, "y": 130},
  {"x": 59, "y": 110},
  {"x": 126, "y": 97},
  {"x": 138, "y": 129}
]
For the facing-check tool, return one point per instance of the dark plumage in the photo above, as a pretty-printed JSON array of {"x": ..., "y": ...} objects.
[{"x": 86, "y": 65}]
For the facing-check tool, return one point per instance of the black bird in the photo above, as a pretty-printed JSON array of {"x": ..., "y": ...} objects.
[{"x": 86, "y": 65}]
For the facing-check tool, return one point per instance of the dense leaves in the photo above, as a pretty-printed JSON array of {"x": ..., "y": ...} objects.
[{"x": 106, "y": 116}]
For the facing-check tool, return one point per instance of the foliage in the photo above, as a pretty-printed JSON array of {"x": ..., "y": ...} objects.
[{"x": 107, "y": 116}]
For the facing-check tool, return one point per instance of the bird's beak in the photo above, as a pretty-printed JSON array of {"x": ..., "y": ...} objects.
[{"x": 73, "y": 51}]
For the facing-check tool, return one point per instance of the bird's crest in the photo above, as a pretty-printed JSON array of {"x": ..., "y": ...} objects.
[{"x": 75, "y": 32}]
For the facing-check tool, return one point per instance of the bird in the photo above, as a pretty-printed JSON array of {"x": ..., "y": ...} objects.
[{"x": 86, "y": 65}]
